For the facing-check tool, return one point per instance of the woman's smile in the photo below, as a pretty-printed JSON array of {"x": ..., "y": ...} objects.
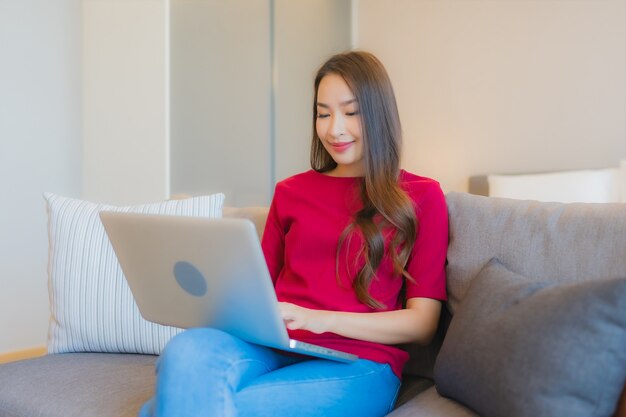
[{"x": 341, "y": 146}]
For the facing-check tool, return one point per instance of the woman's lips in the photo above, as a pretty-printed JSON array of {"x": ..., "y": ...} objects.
[{"x": 341, "y": 146}]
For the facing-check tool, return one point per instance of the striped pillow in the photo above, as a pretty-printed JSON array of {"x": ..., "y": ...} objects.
[{"x": 92, "y": 308}]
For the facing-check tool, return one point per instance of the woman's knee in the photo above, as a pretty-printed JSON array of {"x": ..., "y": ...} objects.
[
  {"x": 322, "y": 388},
  {"x": 147, "y": 410},
  {"x": 197, "y": 345}
]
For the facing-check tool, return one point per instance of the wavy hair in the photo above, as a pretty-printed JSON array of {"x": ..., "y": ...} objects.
[{"x": 385, "y": 204}]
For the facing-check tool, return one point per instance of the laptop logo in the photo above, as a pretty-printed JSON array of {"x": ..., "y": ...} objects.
[{"x": 190, "y": 279}]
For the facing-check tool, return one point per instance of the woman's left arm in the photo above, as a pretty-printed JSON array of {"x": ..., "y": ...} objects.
[{"x": 415, "y": 323}]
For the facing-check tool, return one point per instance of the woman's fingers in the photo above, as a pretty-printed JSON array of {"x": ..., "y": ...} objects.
[{"x": 292, "y": 315}]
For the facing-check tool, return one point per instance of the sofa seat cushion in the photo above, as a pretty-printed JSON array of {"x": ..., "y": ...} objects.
[
  {"x": 99, "y": 385},
  {"x": 412, "y": 386},
  {"x": 77, "y": 385},
  {"x": 430, "y": 404}
]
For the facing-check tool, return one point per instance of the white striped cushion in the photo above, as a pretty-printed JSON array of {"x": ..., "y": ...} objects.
[{"x": 92, "y": 308}]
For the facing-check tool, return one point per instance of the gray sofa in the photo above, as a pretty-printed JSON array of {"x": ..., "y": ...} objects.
[{"x": 536, "y": 246}]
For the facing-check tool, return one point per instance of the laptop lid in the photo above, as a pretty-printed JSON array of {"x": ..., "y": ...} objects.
[{"x": 201, "y": 272}]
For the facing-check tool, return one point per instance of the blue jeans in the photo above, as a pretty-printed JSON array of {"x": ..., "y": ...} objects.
[{"x": 209, "y": 373}]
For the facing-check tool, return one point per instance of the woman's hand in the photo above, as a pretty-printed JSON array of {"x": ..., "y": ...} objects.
[{"x": 296, "y": 317}]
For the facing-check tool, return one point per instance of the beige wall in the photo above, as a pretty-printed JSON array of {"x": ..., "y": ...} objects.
[
  {"x": 40, "y": 150},
  {"x": 125, "y": 100},
  {"x": 503, "y": 86}
]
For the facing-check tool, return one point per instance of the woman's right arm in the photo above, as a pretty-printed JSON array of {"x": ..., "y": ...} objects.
[{"x": 273, "y": 241}]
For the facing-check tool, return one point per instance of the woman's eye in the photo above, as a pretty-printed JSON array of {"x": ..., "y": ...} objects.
[
  {"x": 352, "y": 113},
  {"x": 322, "y": 116}
]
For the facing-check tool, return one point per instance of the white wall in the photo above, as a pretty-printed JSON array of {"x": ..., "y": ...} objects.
[
  {"x": 125, "y": 100},
  {"x": 39, "y": 151},
  {"x": 503, "y": 86}
]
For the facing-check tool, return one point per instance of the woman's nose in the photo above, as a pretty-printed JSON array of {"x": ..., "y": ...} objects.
[{"x": 337, "y": 127}]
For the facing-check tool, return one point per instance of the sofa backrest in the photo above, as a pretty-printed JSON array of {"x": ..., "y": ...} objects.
[
  {"x": 258, "y": 215},
  {"x": 547, "y": 241}
]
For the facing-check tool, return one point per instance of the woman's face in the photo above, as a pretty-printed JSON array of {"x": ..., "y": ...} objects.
[{"x": 338, "y": 125}]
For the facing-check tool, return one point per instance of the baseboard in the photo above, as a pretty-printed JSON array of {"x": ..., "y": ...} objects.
[{"x": 22, "y": 354}]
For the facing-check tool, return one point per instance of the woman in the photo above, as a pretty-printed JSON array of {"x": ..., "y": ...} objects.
[{"x": 356, "y": 249}]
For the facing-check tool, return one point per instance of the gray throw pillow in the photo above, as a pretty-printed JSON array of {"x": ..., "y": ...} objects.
[{"x": 522, "y": 347}]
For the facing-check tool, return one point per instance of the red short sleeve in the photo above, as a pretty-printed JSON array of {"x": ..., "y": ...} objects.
[{"x": 428, "y": 259}]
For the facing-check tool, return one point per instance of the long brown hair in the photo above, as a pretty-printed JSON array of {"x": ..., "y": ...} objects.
[{"x": 385, "y": 204}]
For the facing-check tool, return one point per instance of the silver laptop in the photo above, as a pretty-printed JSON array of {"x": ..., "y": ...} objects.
[{"x": 198, "y": 272}]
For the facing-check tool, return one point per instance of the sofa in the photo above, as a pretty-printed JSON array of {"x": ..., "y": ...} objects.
[{"x": 535, "y": 325}]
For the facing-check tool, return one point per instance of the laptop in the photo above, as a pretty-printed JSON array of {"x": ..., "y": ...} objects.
[{"x": 200, "y": 272}]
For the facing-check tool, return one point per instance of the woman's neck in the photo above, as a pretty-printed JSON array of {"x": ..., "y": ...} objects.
[{"x": 346, "y": 171}]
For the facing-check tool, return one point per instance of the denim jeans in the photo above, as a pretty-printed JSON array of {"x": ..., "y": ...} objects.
[{"x": 209, "y": 373}]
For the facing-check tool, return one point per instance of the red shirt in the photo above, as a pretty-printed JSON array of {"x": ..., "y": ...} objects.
[{"x": 307, "y": 216}]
